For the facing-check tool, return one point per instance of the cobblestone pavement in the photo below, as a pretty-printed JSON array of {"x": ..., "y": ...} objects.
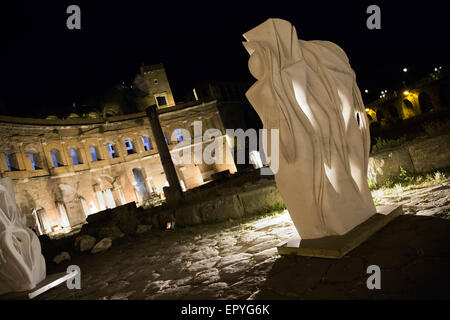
[{"x": 227, "y": 261}]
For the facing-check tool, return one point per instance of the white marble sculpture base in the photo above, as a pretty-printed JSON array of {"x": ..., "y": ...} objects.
[
  {"x": 335, "y": 247},
  {"x": 48, "y": 283}
]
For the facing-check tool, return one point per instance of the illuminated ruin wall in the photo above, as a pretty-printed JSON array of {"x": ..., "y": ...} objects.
[{"x": 68, "y": 169}]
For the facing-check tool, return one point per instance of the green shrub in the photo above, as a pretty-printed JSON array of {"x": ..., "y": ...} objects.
[
  {"x": 408, "y": 180},
  {"x": 372, "y": 185},
  {"x": 268, "y": 210},
  {"x": 387, "y": 143}
]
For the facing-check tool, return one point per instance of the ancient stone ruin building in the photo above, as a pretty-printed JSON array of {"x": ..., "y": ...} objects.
[
  {"x": 426, "y": 96},
  {"x": 65, "y": 170}
]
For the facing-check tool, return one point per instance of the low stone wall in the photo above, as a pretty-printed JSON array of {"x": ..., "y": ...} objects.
[
  {"x": 245, "y": 201},
  {"x": 420, "y": 155},
  {"x": 430, "y": 154}
]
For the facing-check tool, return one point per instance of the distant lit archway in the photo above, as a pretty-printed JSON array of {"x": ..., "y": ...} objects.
[{"x": 408, "y": 104}]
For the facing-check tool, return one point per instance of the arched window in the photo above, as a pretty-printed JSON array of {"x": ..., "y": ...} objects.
[
  {"x": 94, "y": 153},
  {"x": 129, "y": 146},
  {"x": 147, "y": 143},
  {"x": 178, "y": 134},
  {"x": 76, "y": 156},
  {"x": 8, "y": 163},
  {"x": 56, "y": 158},
  {"x": 112, "y": 150},
  {"x": 11, "y": 161},
  {"x": 35, "y": 160}
]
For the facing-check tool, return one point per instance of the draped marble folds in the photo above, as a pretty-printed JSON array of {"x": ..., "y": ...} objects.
[
  {"x": 308, "y": 91},
  {"x": 22, "y": 265}
]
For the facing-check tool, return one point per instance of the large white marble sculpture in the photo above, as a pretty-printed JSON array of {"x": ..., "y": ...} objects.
[
  {"x": 22, "y": 265},
  {"x": 308, "y": 91}
]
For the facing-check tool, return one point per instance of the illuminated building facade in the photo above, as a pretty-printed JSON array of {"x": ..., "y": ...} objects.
[{"x": 65, "y": 170}]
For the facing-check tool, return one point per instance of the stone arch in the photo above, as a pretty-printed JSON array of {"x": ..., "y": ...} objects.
[
  {"x": 408, "y": 104},
  {"x": 177, "y": 132},
  {"x": 425, "y": 102},
  {"x": 371, "y": 115},
  {"x": 393, "y": 112},
  {"x": 105, "y": 182},
  {"x": 69, "y": 197},
  {"x": 67, "y": 193},
  {"x": 103, "y": 186}
]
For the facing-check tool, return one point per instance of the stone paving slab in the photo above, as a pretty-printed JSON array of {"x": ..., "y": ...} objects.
[{"x": 335, "y": 247}]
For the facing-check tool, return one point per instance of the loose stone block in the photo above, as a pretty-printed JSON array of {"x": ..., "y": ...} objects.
[
  {"x": 386, "y": 164},
  {"x": 102, "y": 245},
  {"x": 254, "y": 201},
  {"x": 84, "y": 242},
  {"x": 430, "y": 154},
  {"x": 61, "y": 257},
  {"x": 221, "y": 209}
]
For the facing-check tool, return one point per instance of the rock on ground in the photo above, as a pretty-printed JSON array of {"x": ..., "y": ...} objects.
[
  {"x": 85, "y": 242},
  {"x": 102, "y": 245},
  {"x": 61, "y": 257}
]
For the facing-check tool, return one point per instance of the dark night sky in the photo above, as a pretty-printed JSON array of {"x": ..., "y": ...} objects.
[{"x": 44, "y": 66}]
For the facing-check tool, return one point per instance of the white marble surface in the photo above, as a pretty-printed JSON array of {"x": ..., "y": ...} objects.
[{"x": 308, "y": 91}]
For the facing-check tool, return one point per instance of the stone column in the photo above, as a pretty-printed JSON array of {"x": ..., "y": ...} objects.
[{"x": 173, "y": 193}]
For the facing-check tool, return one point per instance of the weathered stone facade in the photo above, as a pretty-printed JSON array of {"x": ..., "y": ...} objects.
[{"x": 69, "y": 169}]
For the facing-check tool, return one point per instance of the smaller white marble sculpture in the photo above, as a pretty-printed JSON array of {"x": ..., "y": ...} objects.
[{"x": 22, "y": 265}]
